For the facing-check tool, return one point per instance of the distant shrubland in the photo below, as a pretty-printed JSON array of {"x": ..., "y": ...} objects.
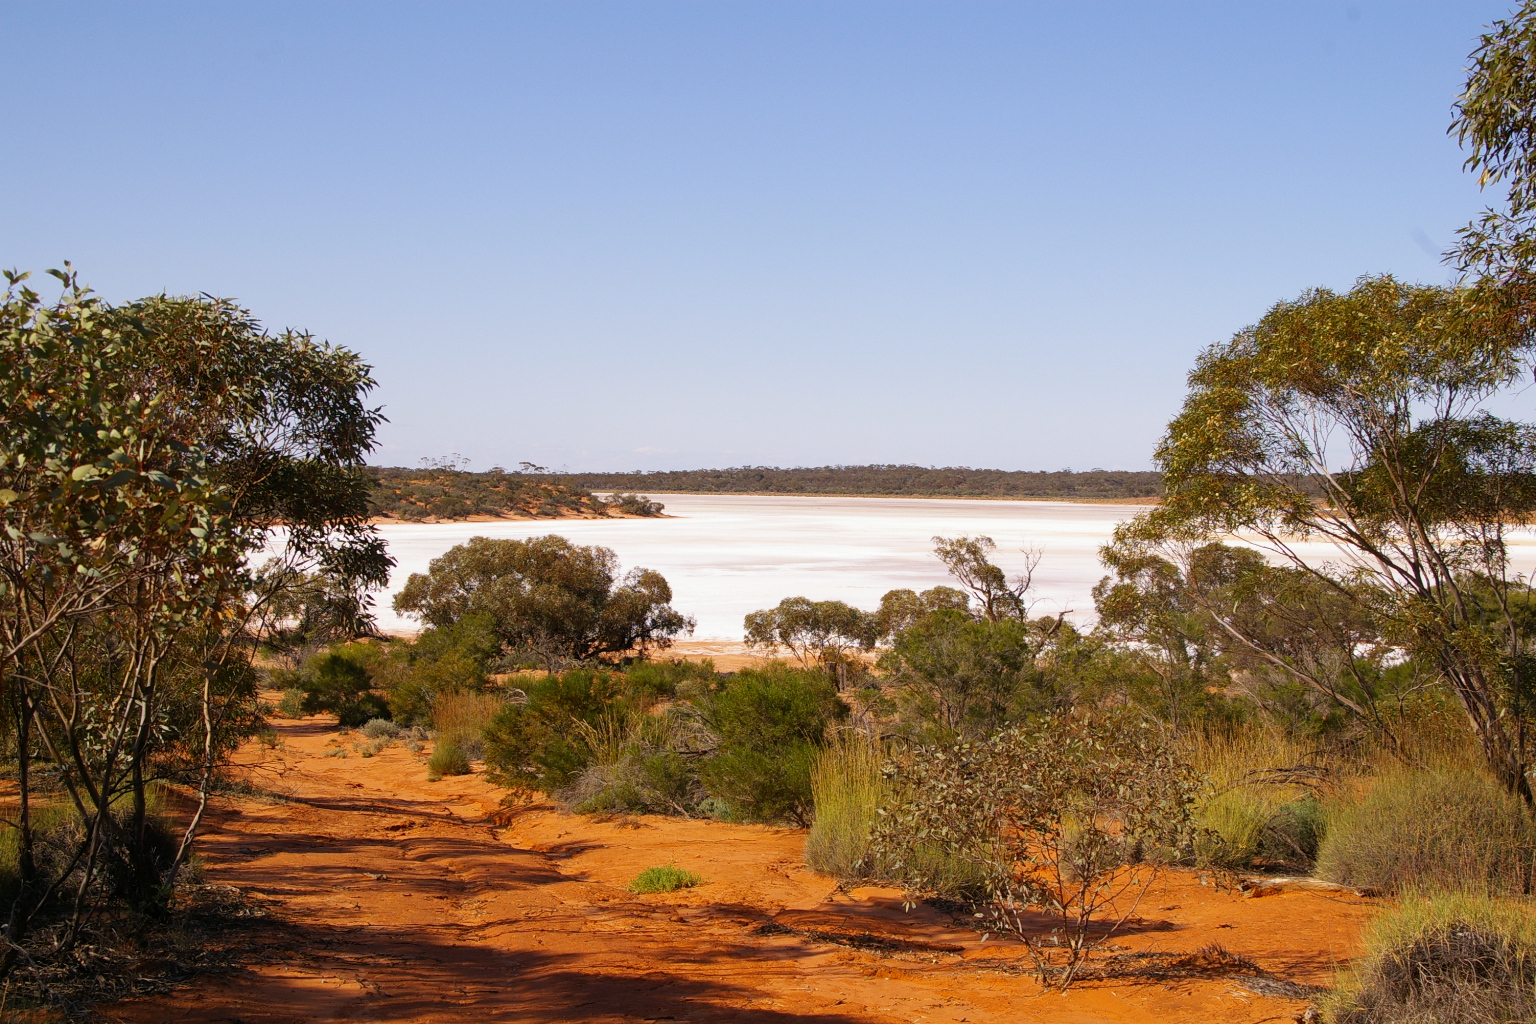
[
  {"x": 441, "y": 491},
  {"x": 877, "y": 480}
]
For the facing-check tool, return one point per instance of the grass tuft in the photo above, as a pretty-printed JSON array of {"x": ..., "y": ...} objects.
[
  {"x": 459, "y": 719},
  {"x": 1442, "y": 830},
  {"x": 447, "y": 759},
  {"x": 666, "y": 878},
  {"x": 847, "y": 790},
  {"x": 1442, "y": 959}
]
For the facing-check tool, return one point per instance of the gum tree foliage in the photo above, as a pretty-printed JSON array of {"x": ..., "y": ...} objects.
[
  {"x": 1065, "y": 819},
  {"x": 1359, "y": 419},
  {"x": 817, "y": 632},
  {"x": 969, "y": 561},
  {"x": 547, "y": 597},
  {"x": 960, "y": 674},
  {"x": 1495, "y": 120},
  {"x": 902, "y": 609},
  {"x": 145, "y": 451}
]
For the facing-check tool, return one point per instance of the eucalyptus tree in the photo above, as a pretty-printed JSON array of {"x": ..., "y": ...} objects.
[
  {"x": 819, "y": 632},
  {"x": 1361, "y": 420},
  {"x": 146, "y": 453},
  {"x": 969, "y": 561},
  {"x": 547, "y": 597}
]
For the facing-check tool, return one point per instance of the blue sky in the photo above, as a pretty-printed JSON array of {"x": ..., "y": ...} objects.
[{"x": 668, "y": 235}]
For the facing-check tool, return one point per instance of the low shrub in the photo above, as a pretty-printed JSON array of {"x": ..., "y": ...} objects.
[
  {"x": 1068, "y": 818},
  {"x": 1446, "y": 830},
  {"x": 661, "y": 679},
  {"x": 536, "y": 746},
  {"x": 447, "y": 759},
  {"x": 771, "y": 723},
  {"x": 380, "y": 728},
  {"x": 444, "y": 660},
  {"x": 339, "y": 684},
  {"x": 1443, "y": 959},
  {"x": 666, "y": 878},
  {"x": 292, "y": 703}
]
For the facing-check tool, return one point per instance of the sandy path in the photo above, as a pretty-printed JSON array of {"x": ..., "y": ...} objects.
[{"x": 401, "y": 900}]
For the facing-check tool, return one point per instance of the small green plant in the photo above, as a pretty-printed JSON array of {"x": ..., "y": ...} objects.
[
  {"x": 447, "y": 759},
  {"x": 292, "y": 704},
  {"x": 666, "y": 878},
  {"x": 1442, "y": 959}
]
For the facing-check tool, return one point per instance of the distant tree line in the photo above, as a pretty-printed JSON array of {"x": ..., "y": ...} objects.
[
  {"x": 891, "y": 481},
  {"x": 440, "y": 490}
]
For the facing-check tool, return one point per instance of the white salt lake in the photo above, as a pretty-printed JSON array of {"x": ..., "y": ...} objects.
[{"x": 727, "y": 555}]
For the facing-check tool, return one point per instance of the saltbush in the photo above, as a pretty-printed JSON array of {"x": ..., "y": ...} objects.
[
  {"x": 1450, "y": 830},
  {"x": 380, "y": 728}
]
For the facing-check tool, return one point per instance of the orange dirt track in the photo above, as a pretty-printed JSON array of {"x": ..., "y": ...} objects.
[{"x": 395, "y": 899}]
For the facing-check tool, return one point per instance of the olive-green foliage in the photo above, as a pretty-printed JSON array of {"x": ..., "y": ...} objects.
[
  {"x": 448, "y": 758},
  {"x": 649, "y": 680},
  {"x": 292, "y": 703},
  {"x": 546, "y": 597},
  {"x": 950, "y": 481},
  {"x": 959, "y": 675},
  {"x": 819, "y": 632},
  {"x": 1493, "y": 123},
  {"x": 1442, "y": 959},
  {"x": 337, "y": 683},
  {"x": 442, "y": 491},
  {"x": 1068, "y": 816},
  {"x": 634, "y": 505},
  {"x": 1447, "y": 830},
  {"x": 1365, "y": 417},
  {"x": 450, "y": 659},
  {"x": 770, "y": 723},
  {"x": 666, "y": 878},
  {"x": 536, "y": 745}
]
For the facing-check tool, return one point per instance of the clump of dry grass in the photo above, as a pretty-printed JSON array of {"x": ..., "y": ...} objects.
[
  {"x": 847, "y": 789},
  {"x": 1259, "y": 796},
  {"x": 1454, "y": 830},
  {"x": 459, "y": 720},
  {"x": 1443, "y": 959}
]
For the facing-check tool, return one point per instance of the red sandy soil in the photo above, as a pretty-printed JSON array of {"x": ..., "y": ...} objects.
[{"x": 395, "y": 899}]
